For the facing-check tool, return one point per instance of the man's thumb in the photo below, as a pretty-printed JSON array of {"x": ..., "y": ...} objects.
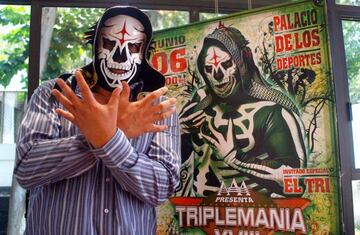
[
  {"x": 115, "y": 96},
  {"x": 125, "y": 94}
]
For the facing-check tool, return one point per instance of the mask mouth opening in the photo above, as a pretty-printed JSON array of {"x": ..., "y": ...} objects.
[
  {"x": 224, "y": 89},
  {"x": 115, "y": 73}
]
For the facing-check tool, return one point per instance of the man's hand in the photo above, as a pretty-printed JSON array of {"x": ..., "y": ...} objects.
[
  {"x": 96, "y": 121},
  {"x": 139, "y": 117}
]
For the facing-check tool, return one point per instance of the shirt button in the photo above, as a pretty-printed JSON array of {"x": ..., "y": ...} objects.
[
  {"x": 107, "y": 179},
  {"x": 106, "y": 211}
]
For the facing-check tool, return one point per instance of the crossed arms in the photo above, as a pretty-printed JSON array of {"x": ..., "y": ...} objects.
[{"x": 101, "y": 131}]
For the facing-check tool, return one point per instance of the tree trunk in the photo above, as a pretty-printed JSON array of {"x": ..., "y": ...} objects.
[
  {"x": 16, "y": 219},
  {"x": 47, "y": 26}
]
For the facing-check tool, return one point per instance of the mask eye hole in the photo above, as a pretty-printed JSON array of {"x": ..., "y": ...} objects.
[
  {"x": 134, "y": 47},
  {"x": 108, "y": 44},
  {"x": 208, "y": 68},
  {"x": 227, "y": 64}
]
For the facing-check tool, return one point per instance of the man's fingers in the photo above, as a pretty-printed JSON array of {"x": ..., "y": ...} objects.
[
  {"x": 165, "y": 105},
  {"x": 155, "y": 95},
  {"x": 156, "y": 128},
  {"x": 125, "y": 93},
  {"x": 115, "y": 96},
  {"x": 161, "y": 116},
  {"x": 68, "y": 92},
  {"x": 84, "y": 88},
  {"x": 63, "y": 100},
  {"x": 66, "y": 115}
]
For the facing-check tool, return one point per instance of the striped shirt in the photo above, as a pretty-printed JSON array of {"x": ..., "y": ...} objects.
[{"x": 75, "y": 189}]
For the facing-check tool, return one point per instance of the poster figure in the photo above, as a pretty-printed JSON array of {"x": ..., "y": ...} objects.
[
  {"x": 236, "y": 126},
  {"x": 258, "y": 128}
]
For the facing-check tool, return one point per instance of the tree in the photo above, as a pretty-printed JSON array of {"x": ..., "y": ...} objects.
[
  {"x": 167, "y": 19},
  {"x": 351, "y": 31},
  {"x": 68, "y": 49},
  {"x": 14, "y": 42}
]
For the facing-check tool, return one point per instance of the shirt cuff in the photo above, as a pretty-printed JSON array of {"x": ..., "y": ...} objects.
[{"x": 117, "y": 151}]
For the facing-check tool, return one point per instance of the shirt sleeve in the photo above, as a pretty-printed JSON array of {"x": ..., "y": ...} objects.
[
  {"x": 42, "y": 155},
  {"x": 151, "y": 176}
]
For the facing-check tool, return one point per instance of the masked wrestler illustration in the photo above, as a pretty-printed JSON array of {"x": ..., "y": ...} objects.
[{"x": 236, "y": 126}]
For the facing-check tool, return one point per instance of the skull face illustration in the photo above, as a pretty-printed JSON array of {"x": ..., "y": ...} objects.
[
  {"x": 121, "y": 49},
  {"x": 220, "y": 71}
]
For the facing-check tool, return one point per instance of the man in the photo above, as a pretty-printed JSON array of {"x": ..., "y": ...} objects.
[
  {"x": 236, "y": 127},
  {"x": 94, "y": 162}
]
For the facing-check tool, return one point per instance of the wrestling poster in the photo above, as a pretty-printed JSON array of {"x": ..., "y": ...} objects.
[{"x": 258, "y": 130}]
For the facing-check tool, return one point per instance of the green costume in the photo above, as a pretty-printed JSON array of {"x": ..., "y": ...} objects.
[{"x": 237, "y": 126}]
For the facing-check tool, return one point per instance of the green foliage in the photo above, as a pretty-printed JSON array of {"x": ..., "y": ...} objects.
[
  {"x": 14, "y": 15},
  {"x": 14, "y": 42},
  {"x": 67, "y": 49},
  {"x": 167, "y": 19},
  {"x": 351, "y": 31}
]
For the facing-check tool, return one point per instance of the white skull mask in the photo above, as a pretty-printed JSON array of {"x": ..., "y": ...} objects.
[
  {"x": 220, "y": 70},
  {"x": 121, "y": 48}
]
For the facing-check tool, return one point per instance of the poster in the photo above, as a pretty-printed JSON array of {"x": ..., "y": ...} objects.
[{"x": 256, "y": 108}]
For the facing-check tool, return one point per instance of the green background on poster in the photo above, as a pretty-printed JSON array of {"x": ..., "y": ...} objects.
[{"x": 289, "y": 47}]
